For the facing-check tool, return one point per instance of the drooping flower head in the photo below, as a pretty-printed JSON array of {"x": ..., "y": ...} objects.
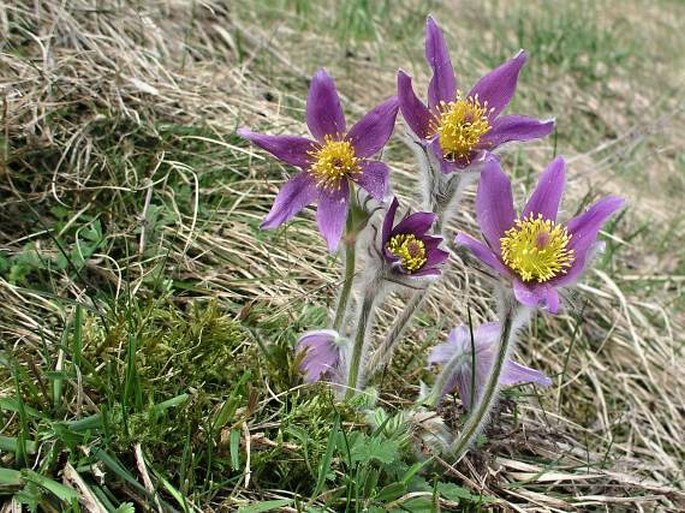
[
  {"x": 460, "y": 354},
  {"x": 322, "y": 355},
  {"x": 462, "y": 128},
  {"x": 331, "y": 162},
  {"x": 533, "y": 250},
  {"x": 407, "y": 247}
]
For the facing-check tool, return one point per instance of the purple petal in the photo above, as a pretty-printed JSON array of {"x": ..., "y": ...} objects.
[
  {"x": 426, "y": 271},
  {"x": 292, "y": 150},
  {"x": 584, "y": 230},
  {"x": 547, "y": 194},
  {"x": 418, "y": 224},
  {"x": 414, "y": 112},
  {"x": 482, "y": 252},
  {"x": 497, "y": 87},
  {"x": 516, "y": 374},
  {"x": 297, "y": 193},
  {"x": 388, "y": 221},
  {"x": 322, "y": 354},
  {"x": 580, "y": 262},
  {"x": 461, "y": 164},
  {"x": 442, "y": 353},
  {"x": 515, "y": 128},
  {"x": 585, "y": 227},
  {"x": 487, "y": 334},
  {"x": 374, "y": 178},
  {"x": 443, "y": 84},
  {"x": 537, "y": 295},
  {"x": 436, "y": 258},
  {"x": 461, "y": 381},
  {"x": 323, "y": 111},
  {"x": 553, "y": 302},
  {"x": 331, "y": 214},
  {"x": 372, "y": 132},
  {"x": 494, "y": 204}
]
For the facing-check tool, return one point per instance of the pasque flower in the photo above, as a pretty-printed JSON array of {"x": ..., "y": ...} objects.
[
  {"x": 332, "y": 161},
  {"x": 462, "y": 129},
  {"x": 322, "y": 355},
  {"x": 407, "y": 247},
  {"x": 533, "y": 250},
  {"x": 459, "y": 358}
]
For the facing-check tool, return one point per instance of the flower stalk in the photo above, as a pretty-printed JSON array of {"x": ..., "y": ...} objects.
[
  {"x": 350, "y": 241},
  {"x": 385, "y": 350},
  {"x": 366, "y": 309},
  {"x": 477, "y": 420}
]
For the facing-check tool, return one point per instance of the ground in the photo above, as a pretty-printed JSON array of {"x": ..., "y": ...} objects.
[{"x": 147, "y": 324}]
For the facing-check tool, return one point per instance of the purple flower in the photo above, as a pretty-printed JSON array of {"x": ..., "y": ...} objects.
[
  {"x": 329, "y": 163},
  {"x": 463, "y": 129},
  {"x": 322, "y": 355},
  {"x": 457, "y": 351},
  {"x": 407, "y": 247},
  {"x": 533, "y": 250}
]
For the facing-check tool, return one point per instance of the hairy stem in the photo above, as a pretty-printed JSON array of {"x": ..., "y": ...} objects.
[
  {"x": 384, "y": 352},
  {"x": 443, "y": 378},
  {"x": 359, "y": 348},
  {"x": 350, "y": 254},
  {"x": 476, "y": 421}
]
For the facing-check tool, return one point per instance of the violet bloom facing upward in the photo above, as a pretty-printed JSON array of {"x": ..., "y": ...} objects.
[
  {"x": 407, "y": 247},
  {"x": 332, "y": 161},
  {"x": 462, "y": 129},
  {"x": 322, "y": 355},
  {"x": 534, "y": 251},
  {"x": 457, "y": 357}
]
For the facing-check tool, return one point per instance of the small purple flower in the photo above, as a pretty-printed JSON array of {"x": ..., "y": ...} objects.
[
  {"x": 458, "y": 350},
  {"x": 329, "y": 163},
  {"x": 461, "y": 129},
  {"x": 533, "y": 250},
  {"x": 322, "y": 355},
  {"x": 407, "y": 247}
]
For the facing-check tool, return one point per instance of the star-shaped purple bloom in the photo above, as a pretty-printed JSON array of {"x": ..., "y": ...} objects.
[
  {"x": 322, "y": 355},
  {"x": 407, "y": 247},
  {"x": 330, "y": 162},
  {"x": 458, "y": 350},
  {"x": 462, "y": 130},
  {"x": 533, "y": 251}
]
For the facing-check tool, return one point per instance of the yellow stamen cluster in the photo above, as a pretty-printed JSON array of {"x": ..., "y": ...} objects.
[
  {"x": 333, "y": 161},
  {"x": 410, "y": 250},
  {"x": 537, "y": 249},
  {"x": 460, "y": 126}
]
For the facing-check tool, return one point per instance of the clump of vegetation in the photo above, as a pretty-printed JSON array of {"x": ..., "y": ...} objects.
[{"x": 148, "y": 325}]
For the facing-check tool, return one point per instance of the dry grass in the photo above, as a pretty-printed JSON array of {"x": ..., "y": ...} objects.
[{"x": 76, "y": 76}]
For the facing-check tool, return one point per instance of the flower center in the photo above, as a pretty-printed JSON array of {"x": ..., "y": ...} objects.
[
  {"x": 410, "y": 250},
  {"x": 460, "y": 126},
  {"x": 537, "y": 249},
  {"x": 333, "y": 161}
]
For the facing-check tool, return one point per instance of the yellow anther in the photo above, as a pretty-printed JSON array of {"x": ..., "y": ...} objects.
[
  {"x": 537, "y": 249},
  {"x": 333, "y": 161},
  {"x": 460, "y": 126},
  {"x": 410, "y": 250}
]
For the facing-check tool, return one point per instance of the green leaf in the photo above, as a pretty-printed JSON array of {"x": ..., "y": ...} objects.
[
  {"x": 126, "y": 507},
  {"x": 64, "y": 493},
  {"x": 325, "y": 463},
  {"x": 10, "y": 477},
  {"x": 456, "y": 493},
  {"x": 391, "y": 492},
  {"x": 417, "y": 505},
  {"x": 364, "y": 449},
  {"x": 234, "y": 447},
  {"x": 260, "y": 507}
]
